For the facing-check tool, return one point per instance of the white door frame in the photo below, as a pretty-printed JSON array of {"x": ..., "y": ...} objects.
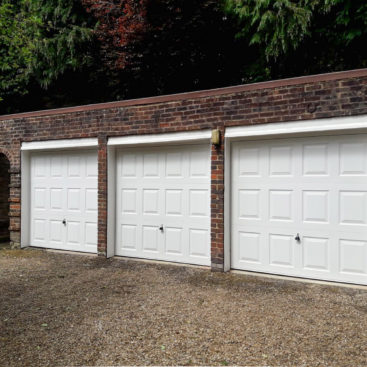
[
  {"x": 27, "y": 148},
  {"x": 186, "y": 137},
  {"x": 327, "y": 126}
]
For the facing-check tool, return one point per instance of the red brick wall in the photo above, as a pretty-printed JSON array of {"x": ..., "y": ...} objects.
[
  {"x": 4, "y": 198},
  {"x": 329, "y": 95},
  {"x": 217, "y": 204}
]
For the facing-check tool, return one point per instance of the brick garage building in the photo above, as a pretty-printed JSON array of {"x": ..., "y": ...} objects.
[{"x": 249, "y": 118}]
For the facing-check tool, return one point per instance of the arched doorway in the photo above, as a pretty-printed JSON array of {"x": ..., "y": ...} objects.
[{"x": 4, "y": 199}]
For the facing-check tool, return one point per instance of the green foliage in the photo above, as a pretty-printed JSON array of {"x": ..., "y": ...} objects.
[
  {"x": 64, "y": 34},
  {"x": 55, "y": 53},
  {"x": 278, "y": 26},
  {"x": 16, "y": 48},
  {"x": 40, "y": 41},
  {"x": 351, "y": 20}
]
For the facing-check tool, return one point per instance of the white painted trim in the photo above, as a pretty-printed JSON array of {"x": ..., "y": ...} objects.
[
  {"x": 111, "y": 201},
  {"x": 112, "y": 155},
  {"x": 227, "y": 205},
  {"x": 59, "y": 144},
  {"x": 181, "y": 137},
  {"x": 25, "y": 199},
  {"x": 137, "y": 140},
  {"x": 26, "y": 150},
  {"x": 299, "y": 127}
]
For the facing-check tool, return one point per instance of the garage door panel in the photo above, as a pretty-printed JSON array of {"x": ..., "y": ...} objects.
[
  {"x": 353, "y": 207},
  {"x": 316, "y": 253},
  {"x": 199, "y": 203},
  {"x": 129, "y": 203},
  {"x": 353, "y": 255},
  {"x": 249, "y": 162},
  {"x": 349, "y": 165},
  {"x": 150, "y": 238},
  {"x": 57, "y": 199},
  {"x": 75, "y": 167},
  {"x": 198, "y": 240},
  {"x": 40, "y": 198},
  {"x": 316, "y": 207},
  {"x": 91, "y": 200},
  {"x": 174, "y": 202},
  {"x": 151, "y": 200},
  {"x": 74, "y": 199},
  {"x": 73, "y": 232},
  {"x": 315, "y": 160},
  {"x": 281, "y": 162},
  {"x": 281, "y": 250},
  {"x": 68, "y": 184},
  {"x": 40, "y": 230},
  {"x": 128, "y": 165},
  {"x": 249, "y": 204},
  {"x": 91, "y": 234},
  {"x": 151, "y": 165},
  {"x": 91, "y": 169},
  {"x": 281, "y": 205},
  {"x": 166, "y": 186},
  {"x": 249, "y": 249},
  {"x": 199, "y": 163},
  {"x": 312, "y": 186},
  {"x": 174, "y": 165},
  {"x": 40, "y": 167},
  {"x": 56, "y": 232},
  {"x": 174, "y": 241}
]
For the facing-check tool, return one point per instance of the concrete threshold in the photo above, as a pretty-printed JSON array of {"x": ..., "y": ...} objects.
[
  {"x": 301, "y": 280},
  {"x": 204, "y": 267},
  {"x": 161, "y": 262},
  {"x": 67, "y": 252}
]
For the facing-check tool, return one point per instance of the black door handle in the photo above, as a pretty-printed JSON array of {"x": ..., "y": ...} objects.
[
  {"x": 297, "y": 238},
  {"x": 161, "y": 228},
  {"x": 64, "y": 222}
]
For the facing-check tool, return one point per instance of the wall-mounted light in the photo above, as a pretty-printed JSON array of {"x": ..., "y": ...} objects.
[{"x": 216, "y": 137}]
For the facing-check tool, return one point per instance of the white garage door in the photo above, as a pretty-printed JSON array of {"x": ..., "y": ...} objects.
[
  {"x": 64, "y": 200},
  {"x": 311, "y": 188},
  {"x": 163, "y": 203}
]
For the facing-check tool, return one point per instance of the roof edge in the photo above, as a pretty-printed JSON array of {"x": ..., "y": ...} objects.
[{"x": 192, "y": 95}]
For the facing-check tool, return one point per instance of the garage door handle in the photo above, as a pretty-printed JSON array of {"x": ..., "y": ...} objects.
[
  {"x": 161, "y": 228},
  {"x": 297, "y": 238},
  {"x": 64, "y": 222}
]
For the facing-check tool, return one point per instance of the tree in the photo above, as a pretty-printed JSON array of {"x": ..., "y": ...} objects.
[
  {"x": 47, "y": 46},
  {"x": 122, "y": 24},
  {"x": 56, "y": 53},
  {"x": 278, "y": 25},
  {"x": 63, "y": 38},
  {"x": 167, "y": 46},
  {"x": 304, "y": 37},
  {"x": 16, "y": 48}
]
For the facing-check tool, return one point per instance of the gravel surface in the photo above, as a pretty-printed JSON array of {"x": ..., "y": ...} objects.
[{"x": 69, "y": 310}]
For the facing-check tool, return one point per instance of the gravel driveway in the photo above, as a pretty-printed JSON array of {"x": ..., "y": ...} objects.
[{"x": 70, "y": 310}]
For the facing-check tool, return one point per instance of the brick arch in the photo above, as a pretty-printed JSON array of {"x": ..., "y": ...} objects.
[
  {"x": 8, "y": 155},
  {"x": 5, "y": 165}
]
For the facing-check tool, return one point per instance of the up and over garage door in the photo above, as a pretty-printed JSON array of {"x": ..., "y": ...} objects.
[
  {"x": 299, "y": 207},
  {"x": 163, "y": 203},
  {"x": 63, "y": 200}
]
